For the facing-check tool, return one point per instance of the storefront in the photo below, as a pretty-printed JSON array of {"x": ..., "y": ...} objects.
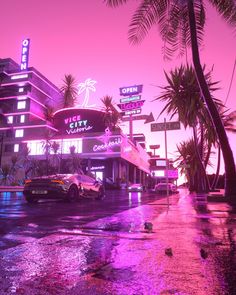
[{"x": 109, "y": 155}]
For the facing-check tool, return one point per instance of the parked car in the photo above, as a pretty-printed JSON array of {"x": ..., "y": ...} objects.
[
  {"x": 135, "y": 187},
  {"x": 70, "y": 187},
  {"x": 163, "y": 186}
]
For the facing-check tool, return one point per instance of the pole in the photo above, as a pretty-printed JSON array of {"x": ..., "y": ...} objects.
[
  {"x": 167, "y": 164},
  {"x": 131, "y": 127}
]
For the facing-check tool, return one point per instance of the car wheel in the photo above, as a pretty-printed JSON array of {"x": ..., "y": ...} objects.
[
  {"x": 100, "y": 193},
  {"x": 73, "y": 194},
  {"x": 31, "y": 200}
]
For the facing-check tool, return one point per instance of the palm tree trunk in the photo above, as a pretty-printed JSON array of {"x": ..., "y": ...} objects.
[
  {"x": 216, "y": 178},
  {"x": 204, "y": 185},
  {"x": 230, "y": 171}
]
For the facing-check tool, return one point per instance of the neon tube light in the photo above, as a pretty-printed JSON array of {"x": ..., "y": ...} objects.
[{"x": 16, "y": 77}]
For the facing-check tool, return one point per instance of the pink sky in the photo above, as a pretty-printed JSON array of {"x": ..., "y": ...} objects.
[{"x": 89, "y": 40}]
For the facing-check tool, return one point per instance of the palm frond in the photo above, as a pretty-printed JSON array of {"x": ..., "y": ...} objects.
[
  {"x": 227, "y": 9},
  {"x": 115, "y": 3}
]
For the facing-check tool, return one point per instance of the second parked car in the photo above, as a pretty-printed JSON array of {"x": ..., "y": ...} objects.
[{"x": 162, "y": 187}]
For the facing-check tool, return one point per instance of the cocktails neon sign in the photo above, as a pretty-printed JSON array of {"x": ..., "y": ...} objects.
[
  {"x": 107, "y": 145},
  {"x": 25, "y": 54},
  {"x": 76, "y": 125}
]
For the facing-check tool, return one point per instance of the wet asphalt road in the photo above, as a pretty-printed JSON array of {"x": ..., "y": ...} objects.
[{"x": 101, "y": 247}]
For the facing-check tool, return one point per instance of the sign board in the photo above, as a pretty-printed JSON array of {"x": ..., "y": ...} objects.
[
  {"x": 131, "y": 112},
  {"x": 131, "y": 90},
  {"x": 148, "y": 118},
  {"x": 130, "y": 98},
  {"x": 131, "y": 105},
  {"x": 154, "y": 146},
  {"x": 25, "y": 54},
  {"x": 167, "y": 125}
]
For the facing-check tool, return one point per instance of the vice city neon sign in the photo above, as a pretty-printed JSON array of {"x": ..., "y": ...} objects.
[
  {"x": 76, "y": 125},
  {"x": 25, "y": 54}
]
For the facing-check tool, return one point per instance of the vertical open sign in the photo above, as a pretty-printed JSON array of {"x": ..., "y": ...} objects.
[{"x": 25, "y": 54}]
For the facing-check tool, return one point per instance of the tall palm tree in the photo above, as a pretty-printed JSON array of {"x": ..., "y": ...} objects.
[
  {"x": 69, "y": 91},
  {"x": 181, "y": 24},
  {"x": 228, "y": 120},
  {"x": 183, "y": 98},
  {"x": 112, "y": 117}
]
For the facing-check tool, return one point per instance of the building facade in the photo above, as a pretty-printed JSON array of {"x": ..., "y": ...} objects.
[{"x": 25, "y": 100}]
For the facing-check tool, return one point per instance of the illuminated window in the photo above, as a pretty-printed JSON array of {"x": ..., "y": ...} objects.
[
  {"x": 10, "y": 119},
  {"x": 22, "y": 119},
  {"x": 77, "y": 143},
  {"x": 21, "y": 105},
  {"x": 37, "y": 147},
  {"x": 19, "y": 133},
  {"x": 16, "y": 148},
  {"x": 159, "y": 173},
  {"x": 21, "y": 89},
  {"x": 16, "y": 77}
]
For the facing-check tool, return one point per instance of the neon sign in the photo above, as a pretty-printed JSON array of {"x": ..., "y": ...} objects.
[
  {"x": 76, "y": 125},
  {"x": 87, "y": 87},
  {"x": 130, "y": 90},
  {"x": 108, "y": 145},
  {"x": 131, "y": 105},
  {"x": 25, "y": 54},
  {"x": 130, "y": 98}
]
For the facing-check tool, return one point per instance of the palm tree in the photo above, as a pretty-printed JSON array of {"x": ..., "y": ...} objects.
[
  {"x": 75, "y": 159},
  {"x": 228, "y": 120},
  {"x": 183, "y": 98},
  {"x": 69, "y": 91},
  {"x": 182, "y": 24},
  {"x": 111, "y": 117},
  {"x": 187, "y": 162},
  {"x": 48, "y": 112},
  {"x": 55, "y": 159}
]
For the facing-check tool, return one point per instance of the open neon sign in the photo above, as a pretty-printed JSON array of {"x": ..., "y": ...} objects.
[{"x": 25, "y": 54}]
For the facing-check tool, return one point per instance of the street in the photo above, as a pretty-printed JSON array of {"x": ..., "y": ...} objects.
[{"x": 101, "y": 247}]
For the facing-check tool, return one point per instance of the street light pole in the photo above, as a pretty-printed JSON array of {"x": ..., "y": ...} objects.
[{"x": 167, "y": 164}]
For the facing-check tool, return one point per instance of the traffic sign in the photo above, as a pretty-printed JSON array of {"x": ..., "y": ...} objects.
[
  {"x": 165, "y": 126},
  {"x": 148, "y": 118}
]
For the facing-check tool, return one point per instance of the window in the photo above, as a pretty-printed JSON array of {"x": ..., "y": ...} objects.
[
  {"x": 21, "y": 105},
  {"x": 16, "y": 148},
  {"x": 22, "y": 118},
  {"x": 10, "y": 119},
  {"x": 21, "y": 89},
  {"x": 19, "y": 133}
]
